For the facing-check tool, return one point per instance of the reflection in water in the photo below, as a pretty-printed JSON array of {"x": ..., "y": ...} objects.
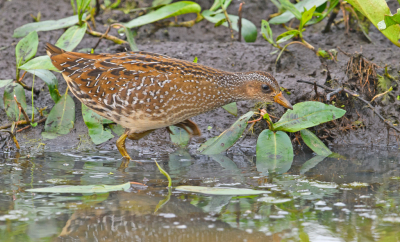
[{"x": 350, "y": 198}]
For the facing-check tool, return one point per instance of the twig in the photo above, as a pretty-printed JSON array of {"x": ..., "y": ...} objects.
[
  {"x": 349, "y": 55},
  {"x": 227, "y": 20},
  {"x": 381, "y": 94},
  {"x": 109, "y": 37},
  {"x": 22, "y": 122},
  {"x": 240, "y": 22},
  {"x": 101, "y": 37},
  {"x": 331, "y": 19},
  {"x": 356, "y": 96},
  {"x": 27, "y": 127},
  {"x": 13, "y": 137},
  {"x": 328, "y": 96},
  {"x": 97, "y": 8},
  {"x": 22, "y": 109}
]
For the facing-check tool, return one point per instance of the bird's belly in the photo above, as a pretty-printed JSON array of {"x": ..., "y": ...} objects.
[{"x": 139, "y": 122}]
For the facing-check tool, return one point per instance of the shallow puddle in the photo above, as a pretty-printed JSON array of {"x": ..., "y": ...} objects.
[{"x": 351, "y": 198}]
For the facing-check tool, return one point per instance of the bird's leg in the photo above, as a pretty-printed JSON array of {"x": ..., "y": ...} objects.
[{"x": 121, "y": 145}]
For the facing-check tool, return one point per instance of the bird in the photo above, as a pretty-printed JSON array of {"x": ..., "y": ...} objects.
[{"x": 144, "y": 91}]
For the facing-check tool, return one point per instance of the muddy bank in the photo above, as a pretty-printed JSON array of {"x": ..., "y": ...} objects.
[{"x": 213, "y": 47}]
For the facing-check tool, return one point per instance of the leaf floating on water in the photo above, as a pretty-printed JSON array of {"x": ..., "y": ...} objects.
[
  {"x": 220, "y": 190},
  {"x": 274, "y": 200},
  {"x": 82, "y": 189}
]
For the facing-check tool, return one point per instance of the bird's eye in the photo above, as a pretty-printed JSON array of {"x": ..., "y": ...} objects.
[{"x": 265, "y": 87}]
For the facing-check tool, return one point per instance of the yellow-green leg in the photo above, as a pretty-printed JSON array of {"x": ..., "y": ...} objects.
[{"x": 121, "y": 145}]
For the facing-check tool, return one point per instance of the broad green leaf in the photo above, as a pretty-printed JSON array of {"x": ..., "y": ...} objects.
[
  {"x": 97, "y": 132},
  {"x": 61, "y": 118},
  {"x": 179, "y": 137},
  {"x": 41, "y": 62},
  {"x": 156, "y": 3},
  {"x": 51, "y": 80},
  {"x": 171, "y": 10},
  {"x": 311, "y": 163},
  {"x": 389, "y": 20},
  {"x": 228, "y": 138},
  {"x": 10, "y": 105},
  {"x": 307, "y": 114},
  {"x": 4, "y": 83},
  {"x": 117, "y": 129},
  {"x": 274, "y": 200},
  {"x": 249, "y": 30},
  {"x": 332, "y": 5},
  {"x": 231, "y": 108},
  {"x": 207, "y": 144},
  {"x": 314, "y": 143},
  {"x": 286, "y": 4},
  {"x": 375, "y": 11},
  {"x": 306, "y": 16},
  {"x": 45, "y": 26},
  {"x": 266, "y": 32},
  {"x": 26, "y": 48},
  {"x": 82, "y": 189},
  {"x": 274, "y": 152},
  {"x": 72, "y": 37},
  {"x": 286, "y": 36},
  {"x": 287, "y": 16},
  {"x": 229, "y": 191}
]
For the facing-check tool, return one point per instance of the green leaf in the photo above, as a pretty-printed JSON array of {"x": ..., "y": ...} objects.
[
  {"x": 332, "y": 5},
  {"x": 228, "y": 138},
  {"x": 179, "y": 137},
  {"x": 306, "y": 16},
  {"x": 51, "y": 80},
  {"x": 266, "y": 32},
  {"x": 287, "y": 16},
  {"x": 171, "y": 10},
  {"x": 231, "y": 108},
  {"x": 323, "y": 53},
  {"x": 375, "y": 11},
  {"x": 314, "y": 143},
  {"x": 97, "y": 132},
  {"x": 72, "y": 37},
  {"x": 311, "y": 163},
  {"x": 156, "y": 3},
  {"x": 228, "y": 191},
  {"x": 41, "y": 62},
  {"x": 26, "y": 48},
  {"x": 195, "y": 59},
  {"x": 61, "y": 118},
  {"x": 286, "y": 4},
  {"x": 274, "y": 152},
  {"x": 82, "y": 189},
  {"x": 217, "y": 4},
  {"x": 117, "y": 129},
  {"x": 249, "y": 30},
  {"x": 164, "y": 173},
  {"x": 10, "y": 105},
  {"x": 307, "y": 114},
  {"x": 207, "y": 144},
  {"x": 131, "y": 39},
  {"x": 4, "y": 83},
  {"x": 45, "y": 26},
  {"x": 286, "y": 36},
  {"x": 389, "y": 20},
  {"x": 219, "y": 23}
]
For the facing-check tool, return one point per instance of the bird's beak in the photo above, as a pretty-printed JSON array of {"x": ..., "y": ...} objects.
[{"x": 280, "y": 99}]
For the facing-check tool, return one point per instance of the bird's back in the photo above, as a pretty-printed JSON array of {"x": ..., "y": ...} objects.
[{"x": 140, "y": 90}]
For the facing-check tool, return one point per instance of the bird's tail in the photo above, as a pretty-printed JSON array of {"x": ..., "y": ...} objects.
[{"x": 53, "y": 50}]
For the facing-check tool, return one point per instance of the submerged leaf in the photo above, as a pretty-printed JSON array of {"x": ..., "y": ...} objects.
[
  {"x": 227, "y": 138},
  {"x": 311, "y": 163},
  {"x": 61, "y": 118},
  {"x": 274, "y": 152},
  {"x": 230, "y": 191},
  {"x": 314, "y": 143},
  {"x": 82, "y": 189},
  {"x": 307, "y": 114}
]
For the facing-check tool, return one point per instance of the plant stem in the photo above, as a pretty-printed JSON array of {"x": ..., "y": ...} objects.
[
  {"x": 109, "y": 37},
  {"x": 227, "y": 19},
  {"x": 33, "y": 110},
  {"x": 240, "y": 22}
]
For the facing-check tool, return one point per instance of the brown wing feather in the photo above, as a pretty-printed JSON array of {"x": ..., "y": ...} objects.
[{"x": 137, "y": 86}]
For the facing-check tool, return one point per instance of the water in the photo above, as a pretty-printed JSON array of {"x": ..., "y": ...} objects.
[{"x": 351, "y": 198}]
